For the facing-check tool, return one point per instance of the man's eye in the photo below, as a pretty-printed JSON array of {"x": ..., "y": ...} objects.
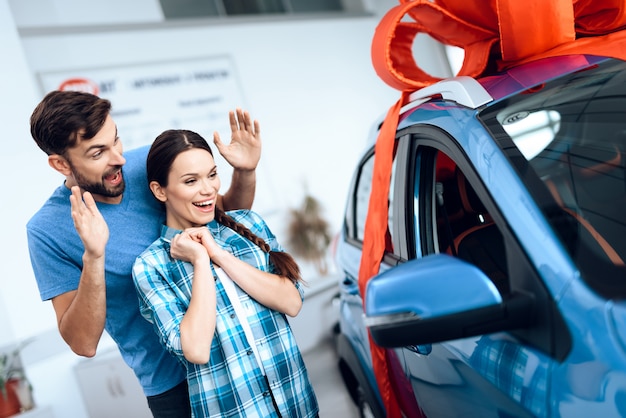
[{"x": 97, "y": 154}]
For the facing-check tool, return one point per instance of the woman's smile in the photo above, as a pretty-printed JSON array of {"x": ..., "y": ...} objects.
[
  {"x": 191, "y": 192},
  {"x": 205, "y": 206}
]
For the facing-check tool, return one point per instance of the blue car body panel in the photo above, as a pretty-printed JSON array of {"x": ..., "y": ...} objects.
[{"x": 497, "y": 374}]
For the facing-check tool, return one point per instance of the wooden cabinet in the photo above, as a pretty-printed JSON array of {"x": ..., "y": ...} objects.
[{"x": 110, "y": 388}]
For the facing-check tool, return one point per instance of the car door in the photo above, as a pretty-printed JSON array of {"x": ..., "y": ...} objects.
[
  {"x": 353, "y": 330},
  {"x": 447, "y": 209}
]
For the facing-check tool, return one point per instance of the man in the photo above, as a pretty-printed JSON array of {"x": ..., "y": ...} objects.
[{"x": 84, "y": 240}]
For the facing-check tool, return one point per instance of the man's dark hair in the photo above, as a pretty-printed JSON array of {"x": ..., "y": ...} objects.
[{"x": 64, "y": 117}]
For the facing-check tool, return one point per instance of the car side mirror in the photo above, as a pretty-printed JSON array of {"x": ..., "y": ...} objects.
[{"x": 439, "y": 298}]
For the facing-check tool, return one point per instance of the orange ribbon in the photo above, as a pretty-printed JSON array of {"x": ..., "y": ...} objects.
[{"x": 495, "y": 35}]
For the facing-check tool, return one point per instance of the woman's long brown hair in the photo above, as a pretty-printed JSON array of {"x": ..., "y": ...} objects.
[
  {"x": 284, "y": 264},
  {"x": 164, "y": 150}
]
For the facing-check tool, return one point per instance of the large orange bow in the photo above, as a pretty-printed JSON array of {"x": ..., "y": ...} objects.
[{"x": 494, "y": 34}]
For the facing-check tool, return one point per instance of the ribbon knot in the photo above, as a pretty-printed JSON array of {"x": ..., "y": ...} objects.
[{"x": 493, "y": 33}]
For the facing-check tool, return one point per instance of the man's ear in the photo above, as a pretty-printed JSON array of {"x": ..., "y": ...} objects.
[
  {"x": 158, "y": 191},
  {"x": 60, "y": 164}
]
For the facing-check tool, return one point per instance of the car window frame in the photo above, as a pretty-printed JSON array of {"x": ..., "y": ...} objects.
[
  {"x": 351, "y": 217},
  {"x": 551, "y": 335}
]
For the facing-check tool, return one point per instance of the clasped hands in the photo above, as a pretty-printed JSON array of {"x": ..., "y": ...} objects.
[{"x": 193, "y": 244}]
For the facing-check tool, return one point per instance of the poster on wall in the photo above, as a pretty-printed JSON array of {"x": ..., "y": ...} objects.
[{"x": 147, "y": 99}]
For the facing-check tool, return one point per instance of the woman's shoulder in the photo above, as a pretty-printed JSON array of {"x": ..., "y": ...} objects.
[
  {"x": 248, "y": 217},
  {"x": 155, "y": 254}
]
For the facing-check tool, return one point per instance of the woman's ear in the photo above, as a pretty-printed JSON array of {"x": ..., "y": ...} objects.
[
  {"x": 59, "y": 164},
  {"x": 158, "y": 191}
]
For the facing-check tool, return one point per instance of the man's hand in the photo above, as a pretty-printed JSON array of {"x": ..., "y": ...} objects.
[
  {"x": 89, "y": 223},
  {"x": 244, "y": 150}
]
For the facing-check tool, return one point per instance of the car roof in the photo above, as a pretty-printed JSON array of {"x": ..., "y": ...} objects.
[
  {"x": 517, "y": 79},
  {"x": 474, "y": 94}
]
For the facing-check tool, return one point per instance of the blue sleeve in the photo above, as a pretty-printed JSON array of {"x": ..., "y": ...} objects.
[{"x": 56, "y": 258}]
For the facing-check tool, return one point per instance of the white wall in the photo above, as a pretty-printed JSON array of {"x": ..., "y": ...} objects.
[
  {"x": 309, "y": 82},
  {"x": 25, "y": 180}
]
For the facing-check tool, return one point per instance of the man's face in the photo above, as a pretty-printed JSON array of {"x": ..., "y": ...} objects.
[{"x": 96, "y": 164}]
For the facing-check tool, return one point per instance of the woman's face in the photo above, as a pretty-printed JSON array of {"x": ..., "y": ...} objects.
[{"x": 192, "y": 188}]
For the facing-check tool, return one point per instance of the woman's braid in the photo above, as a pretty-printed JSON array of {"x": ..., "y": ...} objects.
[{"x": 284, "y": 264}]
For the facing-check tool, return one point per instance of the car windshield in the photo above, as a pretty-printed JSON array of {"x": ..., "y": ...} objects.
[{"x": 571, "y": 135}]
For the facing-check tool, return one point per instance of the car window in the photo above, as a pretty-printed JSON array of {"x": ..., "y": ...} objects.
[
  {"x": 362, "y": 196},
  {"x": 568, "y": 140},
  {"x": 362, "y": 192},
  {"x": 463, "y": 226}
]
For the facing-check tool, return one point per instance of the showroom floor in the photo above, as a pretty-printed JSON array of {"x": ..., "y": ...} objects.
[{"x": 333, "y": 399}]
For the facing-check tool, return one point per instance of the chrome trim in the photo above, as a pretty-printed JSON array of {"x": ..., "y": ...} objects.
[{"x": 372, "y": 321}]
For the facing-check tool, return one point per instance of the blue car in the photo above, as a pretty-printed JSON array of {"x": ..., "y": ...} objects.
[{"x": 502, "y": 288}]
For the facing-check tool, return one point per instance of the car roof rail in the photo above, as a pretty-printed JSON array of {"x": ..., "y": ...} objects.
[{"x": 463, "y": 90}]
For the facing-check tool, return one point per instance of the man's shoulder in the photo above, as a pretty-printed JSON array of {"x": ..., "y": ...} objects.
[
  {"x": 135, "y": 169},
  {"x": 50, "y": 231},
  {"x": 140, "y": 152},
  {"x": 136, "y": 158},
  {"x": 55, "y": 208}
]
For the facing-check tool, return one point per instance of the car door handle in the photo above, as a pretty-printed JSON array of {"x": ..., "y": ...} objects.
[
  {"x": 350, "y": 285},
  {"x": 424, "y": 349}
]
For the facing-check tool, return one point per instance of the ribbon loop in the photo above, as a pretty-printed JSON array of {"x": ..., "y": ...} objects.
[
  {"x": 599, "y": 17},
  {"x": 492, "y": 33},
  {"x": 392, "y": 54}
]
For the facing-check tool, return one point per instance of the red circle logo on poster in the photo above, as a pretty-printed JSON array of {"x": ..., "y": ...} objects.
[{"x": 79, "y": 84}]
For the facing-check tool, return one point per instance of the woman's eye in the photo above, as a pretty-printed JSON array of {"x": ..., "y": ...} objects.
[
  {"x": 190, "y": 181},
  {"x": 213, "y": 175}
]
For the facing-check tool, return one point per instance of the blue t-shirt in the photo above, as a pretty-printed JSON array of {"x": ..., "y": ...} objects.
[{"x": 56, "y": 253}]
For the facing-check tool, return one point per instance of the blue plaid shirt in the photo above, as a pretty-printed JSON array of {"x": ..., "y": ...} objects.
[{"x": 232, "y": 382}]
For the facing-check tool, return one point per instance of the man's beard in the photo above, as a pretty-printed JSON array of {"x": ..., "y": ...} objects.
[{"x": 99, "y": 188}]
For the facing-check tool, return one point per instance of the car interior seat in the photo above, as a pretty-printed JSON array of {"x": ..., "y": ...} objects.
[
  {"x": 481, "y": 244},
  {"x": 475, "y": 237},
  {"x": 592, "y": 190}
]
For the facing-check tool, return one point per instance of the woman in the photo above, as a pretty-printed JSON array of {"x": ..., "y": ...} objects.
[{"x": 218, "y": 287}]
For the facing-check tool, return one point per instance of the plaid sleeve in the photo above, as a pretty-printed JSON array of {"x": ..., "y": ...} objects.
[{"x": 160, "y": 303}]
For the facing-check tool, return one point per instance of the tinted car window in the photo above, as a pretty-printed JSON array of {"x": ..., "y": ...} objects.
[
  {"x": 362, "y": 196},
  {"x": 464, "y": 227},
  {"x": 362, "y": 193},
  {"x": 568, "y": 142}
]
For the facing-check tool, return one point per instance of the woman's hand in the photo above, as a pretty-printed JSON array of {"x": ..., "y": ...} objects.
[
  {"x": 202, "y": 236},
  {"x": 187, "y": 247},
  {"x": 244, "y": 150}
]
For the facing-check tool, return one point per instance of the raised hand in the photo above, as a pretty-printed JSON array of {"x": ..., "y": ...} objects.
[
  {"x": 244, "y": 150},
  {"x": 89, "y": 223}
]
